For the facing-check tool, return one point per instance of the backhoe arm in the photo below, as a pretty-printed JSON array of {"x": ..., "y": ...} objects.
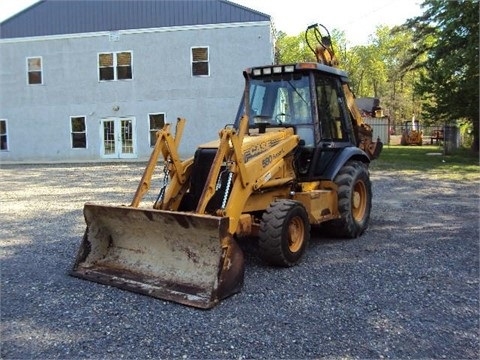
[{"x": 363, "y": 131}]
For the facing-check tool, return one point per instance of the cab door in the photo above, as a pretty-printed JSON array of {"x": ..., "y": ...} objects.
[{"x": 333, "y": 123}]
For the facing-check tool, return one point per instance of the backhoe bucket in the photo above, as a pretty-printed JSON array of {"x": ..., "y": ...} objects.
[{"x": 186, "y": 258}]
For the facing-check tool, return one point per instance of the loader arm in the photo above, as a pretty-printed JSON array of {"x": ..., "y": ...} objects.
[
  {"x": 167, "y": 145},
  {"x": 267, "y": 170},
  {"x": 228, "y": 154},
  {"x": 264, "y": 170}
]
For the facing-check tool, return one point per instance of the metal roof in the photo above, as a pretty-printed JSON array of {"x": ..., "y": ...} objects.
[{"x": 58, "y": 17}]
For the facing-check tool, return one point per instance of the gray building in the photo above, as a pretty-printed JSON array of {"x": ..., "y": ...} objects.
[{"x": 94, "y": 80}]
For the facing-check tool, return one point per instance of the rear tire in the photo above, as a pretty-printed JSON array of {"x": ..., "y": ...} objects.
[
  {"x": 284, "y": 233},
  {"x": 354, "y": 201}
]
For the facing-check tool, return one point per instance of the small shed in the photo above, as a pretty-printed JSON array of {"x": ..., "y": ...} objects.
[{"x": 380, "y": 127}]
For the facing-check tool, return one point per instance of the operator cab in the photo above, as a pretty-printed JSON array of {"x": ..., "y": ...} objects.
[
  {"x": 307, "y": 97},
  {"x": 278, "y": 97}
]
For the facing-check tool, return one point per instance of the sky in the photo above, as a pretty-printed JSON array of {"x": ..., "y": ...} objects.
[{"x": 357, "y": 18}]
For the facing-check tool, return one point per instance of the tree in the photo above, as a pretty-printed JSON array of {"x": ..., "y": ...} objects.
[
  {"x": 374, "y": 69},
  {"x": 446, "y": 45},
  {"x": 292, "y": 49},
  {"x": 397, "y": 88}
]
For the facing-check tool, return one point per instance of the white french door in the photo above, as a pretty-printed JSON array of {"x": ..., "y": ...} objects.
[{"x": 118, "y": 138}]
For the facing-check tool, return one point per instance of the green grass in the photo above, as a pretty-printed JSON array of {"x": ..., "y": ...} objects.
[{"x": 429, "y": 161}]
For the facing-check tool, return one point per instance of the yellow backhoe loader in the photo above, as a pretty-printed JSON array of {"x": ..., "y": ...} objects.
[
  {"x": 297, "y": 155},
  {"x": 411, "y": 133}
]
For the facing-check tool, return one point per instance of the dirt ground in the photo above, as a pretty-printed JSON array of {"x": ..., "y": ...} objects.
[{"x": 407, "y": 289}]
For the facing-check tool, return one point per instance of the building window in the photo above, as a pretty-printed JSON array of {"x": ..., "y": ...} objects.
[
  {"x": 3, "y": 135},
  {"x": 78, "y": 132},
  {"x": 124, "y": 65},
  {"x": 157, "y": 121},
  {"x": 200, "y": 66},
  {"x": 34, "y": 70},
  {"x": 115, "y": 66}
]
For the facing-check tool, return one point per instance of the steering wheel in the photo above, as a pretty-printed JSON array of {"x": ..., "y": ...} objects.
[{"x": 282, "y": 118}]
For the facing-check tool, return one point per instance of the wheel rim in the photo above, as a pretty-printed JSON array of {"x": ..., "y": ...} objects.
[
  {"x": 359, "y": 200},
  {"x": 296, "y": 232}
]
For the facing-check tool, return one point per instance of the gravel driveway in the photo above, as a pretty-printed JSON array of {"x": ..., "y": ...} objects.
[{"x": 408, "y": 288}]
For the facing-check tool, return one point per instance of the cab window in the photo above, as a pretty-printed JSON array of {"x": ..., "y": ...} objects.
[{"x": 330, "y": 109}]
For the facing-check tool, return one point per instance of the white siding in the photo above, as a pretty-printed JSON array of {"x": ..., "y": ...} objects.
[{"x": 39, "y": 115}]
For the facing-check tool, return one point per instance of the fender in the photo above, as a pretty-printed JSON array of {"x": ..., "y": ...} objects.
[{"x": 344, "y": 155}]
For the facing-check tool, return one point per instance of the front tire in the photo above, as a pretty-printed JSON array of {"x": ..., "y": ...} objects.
[
  {"x": 284, "y": 233},
  {"x": 354, "y": 201}
]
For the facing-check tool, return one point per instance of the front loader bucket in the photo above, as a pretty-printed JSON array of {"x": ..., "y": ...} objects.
[{"x": 186, "y": 258}]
